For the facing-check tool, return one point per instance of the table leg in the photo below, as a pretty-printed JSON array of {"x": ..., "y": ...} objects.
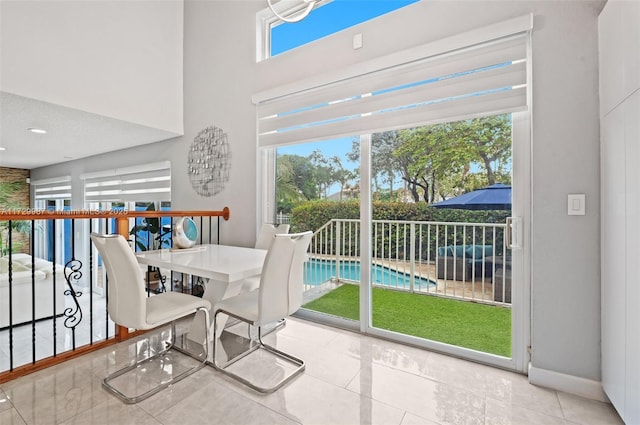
[{"x": 214, "y": 291}]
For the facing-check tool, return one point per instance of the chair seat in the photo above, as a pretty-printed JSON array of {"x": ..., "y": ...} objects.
[
  {"x": 243, "y": 305},
  {"x": 130, "y": 306},
  {"x": 278, "y": 295},
  {"x": 168, "y": 306}
]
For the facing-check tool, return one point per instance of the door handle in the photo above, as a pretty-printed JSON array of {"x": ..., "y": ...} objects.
[{"x": 512, "y": 229}]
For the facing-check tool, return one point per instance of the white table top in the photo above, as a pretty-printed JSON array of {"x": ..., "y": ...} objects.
[{"x": 222, "y": 263}]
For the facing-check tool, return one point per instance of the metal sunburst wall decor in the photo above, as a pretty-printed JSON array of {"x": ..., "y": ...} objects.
[{"x": 209, "y": 161}]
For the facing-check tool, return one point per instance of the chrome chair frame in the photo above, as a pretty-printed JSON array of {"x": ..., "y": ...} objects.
[
  {"x": 118, "y": 258},
  {"x": 169, "y": 346},
  {"x": 290, "y": 280},
  {"x": 260, "y": 345}
]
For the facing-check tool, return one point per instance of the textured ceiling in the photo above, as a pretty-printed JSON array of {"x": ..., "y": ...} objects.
[{"x": 71, "y": 133}]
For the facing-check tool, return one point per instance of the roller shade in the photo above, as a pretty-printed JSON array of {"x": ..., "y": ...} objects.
[
  {"x": 478, "y": 80},
  {"x": 149, "y": 182},
  {"x": 52, "y": 189}
]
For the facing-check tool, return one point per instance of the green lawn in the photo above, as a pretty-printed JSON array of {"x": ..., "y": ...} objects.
[{"x": 477, "y": 326}]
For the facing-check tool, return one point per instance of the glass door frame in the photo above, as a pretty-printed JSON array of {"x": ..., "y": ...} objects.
[{"x": 521, "y": 252}]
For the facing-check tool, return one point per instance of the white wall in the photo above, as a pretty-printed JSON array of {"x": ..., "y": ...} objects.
[
  {"x": 120, "y": 59},
  {"x": 619, "y": 34},
  {"x": 221, "y": 74}
]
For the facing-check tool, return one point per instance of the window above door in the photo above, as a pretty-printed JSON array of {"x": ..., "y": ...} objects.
[{"x": 327, "y": 17}]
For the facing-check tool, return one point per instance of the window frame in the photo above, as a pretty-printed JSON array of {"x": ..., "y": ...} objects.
[{"x": 265, "y": 21}]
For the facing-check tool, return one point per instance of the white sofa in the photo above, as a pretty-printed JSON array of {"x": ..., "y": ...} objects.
[{"x": 21, "y": 278}]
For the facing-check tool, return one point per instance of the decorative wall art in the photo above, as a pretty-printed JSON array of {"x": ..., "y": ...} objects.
[{"x": 209, "y": 161}]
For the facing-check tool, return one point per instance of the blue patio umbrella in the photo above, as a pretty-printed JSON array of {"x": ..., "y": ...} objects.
[{"x": 494, "y": 197}]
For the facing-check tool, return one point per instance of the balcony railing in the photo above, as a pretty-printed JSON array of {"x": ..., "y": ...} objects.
[
  {"x": 467, "y": 261},
  {"x": 53, "y": 292}
]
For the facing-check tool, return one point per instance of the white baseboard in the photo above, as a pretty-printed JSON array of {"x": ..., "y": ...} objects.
[{"x": 582, "y": 387}]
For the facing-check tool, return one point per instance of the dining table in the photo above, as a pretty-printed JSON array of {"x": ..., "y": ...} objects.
[{"x": 222, "y": 267}]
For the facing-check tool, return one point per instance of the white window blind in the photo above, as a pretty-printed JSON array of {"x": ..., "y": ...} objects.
[
  {"x": 148, "y": 182},
  {"x": 478, "y": 79},
  {"x": 52, "y": 189}
]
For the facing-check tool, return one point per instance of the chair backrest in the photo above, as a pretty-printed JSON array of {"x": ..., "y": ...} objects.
[
  {"x": 266, "y": 233},
  {"x": 281, "y": 283},
  {"x": 126, "y": 297},
  {"x": 296, "y": 274}
]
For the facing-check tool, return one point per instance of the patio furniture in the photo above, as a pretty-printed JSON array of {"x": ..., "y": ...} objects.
[
  {"x": 462, "y": 262},
  {"x": 501, "y": 277},
  {"x": 494, "y": 197}
]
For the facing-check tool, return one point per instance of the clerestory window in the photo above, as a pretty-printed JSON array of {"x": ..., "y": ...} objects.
[{"x": 327, "y": 18}]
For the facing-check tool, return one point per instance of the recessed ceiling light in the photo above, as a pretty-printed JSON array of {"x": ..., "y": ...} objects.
[
  {"x": 2, "y": 149},
  {"x": 37, "y": 130}
]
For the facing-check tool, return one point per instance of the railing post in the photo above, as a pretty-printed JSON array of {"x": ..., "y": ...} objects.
[
  {"x": 338, "y": 250},
  {"x": 122, "y": 226},
  {"x": 412, "y": 256}
]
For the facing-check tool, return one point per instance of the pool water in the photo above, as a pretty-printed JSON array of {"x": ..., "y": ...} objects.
[{"x": 317, "y": 272}]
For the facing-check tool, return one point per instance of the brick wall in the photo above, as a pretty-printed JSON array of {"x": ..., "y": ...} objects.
[{"x": 14, "y": 193}]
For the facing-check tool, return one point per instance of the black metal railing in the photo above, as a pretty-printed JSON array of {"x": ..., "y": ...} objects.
[{"x": 53, "y": 288}]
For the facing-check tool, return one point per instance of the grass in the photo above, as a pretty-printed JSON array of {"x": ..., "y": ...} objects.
[{"x": 480, "y": 327}]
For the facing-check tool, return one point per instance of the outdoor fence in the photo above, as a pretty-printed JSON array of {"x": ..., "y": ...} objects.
[
  {"x": 53, "y": 288},
  {"x": 468, "y": 261},
  {"x": 282, "y": 218}
]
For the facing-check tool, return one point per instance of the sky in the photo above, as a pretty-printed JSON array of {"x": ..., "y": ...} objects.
[
  {"x": 329, "y": 148},
  {"x": 328, "y": 19}
]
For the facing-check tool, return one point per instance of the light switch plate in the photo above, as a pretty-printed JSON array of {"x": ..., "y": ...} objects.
[
  {"x": 576, "y": 204},
  {"x": 357, "y": 41}
]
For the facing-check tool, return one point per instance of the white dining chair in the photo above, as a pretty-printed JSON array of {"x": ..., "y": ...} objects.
[
  {"x": 129, "y": 306},
  {"x": 265, "y": 235},
  {"x": 279, "y": 295}
]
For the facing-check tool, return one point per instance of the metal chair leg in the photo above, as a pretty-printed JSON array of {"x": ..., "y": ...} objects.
[
  {"x": 261, "y": 345},
  {"x": 106, "y": 383}
]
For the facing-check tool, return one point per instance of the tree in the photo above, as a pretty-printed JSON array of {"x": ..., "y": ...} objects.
[
  {"x": 428, "y": 155},
  {"x": 323, "y": 173},
  {"x": 340, "y": 174},
  {"x": 489, "y": 138},
  {"x": 437, "y": 161},
  {"x": 383, "y": 166},
  {"x": 294, "y": 181}
]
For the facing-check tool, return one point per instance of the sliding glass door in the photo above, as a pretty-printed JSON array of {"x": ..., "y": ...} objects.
[
  {"x": 442, "y": 254},
  {"x": 317, "y": 187},
  {"x": 430, "y": 128}
]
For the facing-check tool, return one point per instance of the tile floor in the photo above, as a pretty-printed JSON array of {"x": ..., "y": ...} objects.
[{"x": 350, "y": 379}]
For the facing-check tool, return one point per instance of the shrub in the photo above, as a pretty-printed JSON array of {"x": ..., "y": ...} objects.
[
  {"x": 392, "y": 238},
  {"x": 314, "y": 214}
]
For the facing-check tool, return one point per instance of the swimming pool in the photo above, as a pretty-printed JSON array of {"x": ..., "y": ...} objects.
[{"x": 318, "y": 271}]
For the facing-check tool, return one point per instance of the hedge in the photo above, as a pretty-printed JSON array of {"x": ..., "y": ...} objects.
[{"x": 314, "y": 214}]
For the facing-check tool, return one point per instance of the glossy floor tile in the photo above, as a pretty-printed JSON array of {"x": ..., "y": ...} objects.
[{"x": 349, "y": 379}]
